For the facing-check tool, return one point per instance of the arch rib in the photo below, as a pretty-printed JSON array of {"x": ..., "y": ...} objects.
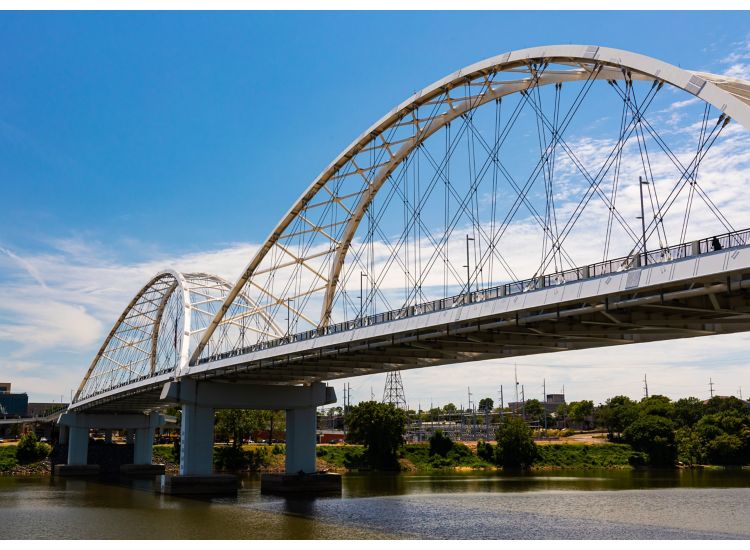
[{"x": 728, "y": 95}]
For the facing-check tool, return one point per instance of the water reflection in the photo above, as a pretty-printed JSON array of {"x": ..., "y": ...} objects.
[{"x": 589, "y": 504}]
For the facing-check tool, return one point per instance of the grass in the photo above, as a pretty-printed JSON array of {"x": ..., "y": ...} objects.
[
  {"x": 164, "y": 454},
  {"x": 342, "y": 456},
  {"x": 460, "y": 456},
  {"x": 606, "y": 455},
  {"x": 8, "y": 458}
]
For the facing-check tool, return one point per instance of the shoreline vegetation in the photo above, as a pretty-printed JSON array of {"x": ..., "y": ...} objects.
[
  {"x": 654, "y": 432},
  {"x": 413, "y": 458}
]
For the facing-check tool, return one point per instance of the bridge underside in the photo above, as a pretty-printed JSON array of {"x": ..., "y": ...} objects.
[{"x": 697, "y": 306}]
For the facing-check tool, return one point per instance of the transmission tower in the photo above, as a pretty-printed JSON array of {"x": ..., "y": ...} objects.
[{"x": 394, "y": 390}]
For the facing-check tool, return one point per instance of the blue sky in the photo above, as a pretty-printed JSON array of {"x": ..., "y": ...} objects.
[{"x": 131, "y": 141}]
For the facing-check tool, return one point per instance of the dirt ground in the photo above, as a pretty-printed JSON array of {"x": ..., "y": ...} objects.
[{"x": 588, "y": 438}]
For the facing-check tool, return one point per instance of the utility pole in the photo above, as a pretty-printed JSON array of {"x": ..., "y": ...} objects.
[
  {"x": 515, "y": 371},
  {"x": 711, "y": 386},
  {"x": 645, "y": 386},
  {"x": 523, "y": 402},
  {"x": 544, "y": 401},
  {"x": 643, "y": 182},
  {"x": 362, "y": 275},
  {"x": 468, "y": 390},
  {"x": 468, "y": 273}
]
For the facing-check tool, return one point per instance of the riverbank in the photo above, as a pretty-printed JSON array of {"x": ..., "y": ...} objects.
[
  {"x": 9, "y": 465},
  {"x": 342, "y": 458}
]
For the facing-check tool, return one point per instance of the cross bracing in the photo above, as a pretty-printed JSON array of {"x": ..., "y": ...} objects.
[
  {"x": 505, "y": 174},
  {"x": 157, "y": 330}
]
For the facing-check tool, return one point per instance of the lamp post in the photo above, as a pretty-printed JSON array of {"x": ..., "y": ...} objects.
[
  {"x": 468, "y": 273},
  {"x": 641, "y": 183},
  {"x": 362, "y": 276}
]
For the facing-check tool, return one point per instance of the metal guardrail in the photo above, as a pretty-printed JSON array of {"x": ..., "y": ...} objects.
[
  {"x": 694, "y": 248},
  {"x": 591, "y": 271}
]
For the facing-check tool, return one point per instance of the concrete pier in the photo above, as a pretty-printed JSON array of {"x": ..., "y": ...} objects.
[
  {"x": 142, "y": 470},
  {"x": 199, "y": 399},
  {"x": 76, "y": 470},
  {"x": 301, "y": 484},
  {"x": 214, "y": 484}
]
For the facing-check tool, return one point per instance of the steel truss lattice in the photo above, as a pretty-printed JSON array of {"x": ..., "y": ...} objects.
[
  {"x": 158, "y": 329},
  {"x": 368, "y": 215}
]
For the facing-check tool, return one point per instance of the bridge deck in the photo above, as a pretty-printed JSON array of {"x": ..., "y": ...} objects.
[{"x": 695, "y": 295}]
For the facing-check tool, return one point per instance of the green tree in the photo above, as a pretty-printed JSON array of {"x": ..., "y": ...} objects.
[
  {"x": 450, "y": 408},
  {"x": 726, "y": 450},
  {"x": 653, "y": 435},
  {"x": 688, "y": 411},
  {"x": 720, "y": 404},
  {"x": 440, "y": 444},
  {"x": 657, "y": 405},
  {"x": 486, "y": 404},
  {"x": 534, "y": 409},
  {"x": 515, "y": 444},
  {"x": 690, "y": 446},
  {"x": 236, "y": 424},
  {"x": 617, "y": 414},
  {"x": 485, "y": 451},
  {"x": 581, "y": 411},
  {"x": 380, "y": 427},
  {"x": 30, "y": 450}
]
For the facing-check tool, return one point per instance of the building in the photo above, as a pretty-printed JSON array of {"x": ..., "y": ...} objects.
[
  {"x": 554, "y": 400},
  {"x": 14, "y": 404},
  {"x": 4, "y": 387}
]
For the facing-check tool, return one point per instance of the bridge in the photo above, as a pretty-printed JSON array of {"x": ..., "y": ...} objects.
[{"x": 549, "y": 199}]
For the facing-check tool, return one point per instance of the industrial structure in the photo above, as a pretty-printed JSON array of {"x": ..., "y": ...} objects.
[{"x": 441, "y": 236}]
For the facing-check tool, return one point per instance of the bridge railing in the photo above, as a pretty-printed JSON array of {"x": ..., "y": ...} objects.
[{"x": 599, "y": 269}]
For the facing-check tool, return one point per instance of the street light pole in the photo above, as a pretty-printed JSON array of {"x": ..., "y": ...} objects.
[
  {"x": 641, "y": 183},
  {"x": 362, "y": 275},
  {"x": 468, "y": 273}
]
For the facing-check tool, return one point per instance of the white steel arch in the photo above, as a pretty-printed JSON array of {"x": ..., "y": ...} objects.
[
  {"x": 374, "y": 156},
  {"x": 157, "y": 331}
]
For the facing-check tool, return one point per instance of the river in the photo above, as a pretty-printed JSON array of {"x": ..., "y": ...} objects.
[{"x": 544, "y": 505}]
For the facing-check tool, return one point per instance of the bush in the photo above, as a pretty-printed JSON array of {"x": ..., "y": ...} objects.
[
  {"x": 486, "y": 451},
  {"x": 380, "y": 427},
  {"x": 8, "y": 459},
  {"x": 653, "y": 435},
  {"x": 233, "y": 458},
  {"x": 440, "y": 444},
  {"x": 726, "y": 450},
  {"x": 30, "y": 450},
  {"x": 515, "y": 444}
]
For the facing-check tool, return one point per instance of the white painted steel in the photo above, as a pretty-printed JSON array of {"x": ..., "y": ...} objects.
[{"x": 728, "y": 95}]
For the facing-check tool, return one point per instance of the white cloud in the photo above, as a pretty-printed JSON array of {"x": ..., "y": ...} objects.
[{"x": 57, "y": 305}]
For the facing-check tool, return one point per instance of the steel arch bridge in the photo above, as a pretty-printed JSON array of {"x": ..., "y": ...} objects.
[{"x": 491, "y": 214}]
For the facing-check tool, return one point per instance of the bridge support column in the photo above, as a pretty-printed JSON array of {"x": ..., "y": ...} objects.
[
  {"x": 144, "y": 446},
  {"x": 143, "y": 449},
  {"x": 63, "y": 437},
  {"x": 196, "y": 457},
  {"x": 196, "y": 440},
  {"x": 301, "y": 437},
  {"x": 79, "y": 424},
  {"x": 78, "y": 446},
  {"x": 199, "y": 399},
  {"x": 78, "y": 450}
]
